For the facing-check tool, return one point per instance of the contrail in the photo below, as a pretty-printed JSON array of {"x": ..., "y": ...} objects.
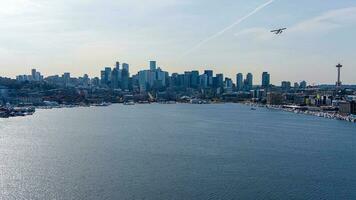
[{"x": 229, "y": 27}]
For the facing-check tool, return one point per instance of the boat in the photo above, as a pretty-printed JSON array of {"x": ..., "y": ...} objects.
[
  {"x": 104, "y": 104},
  {"x": 129, "y": 103}
]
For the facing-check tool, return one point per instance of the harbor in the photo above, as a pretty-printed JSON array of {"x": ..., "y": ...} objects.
[
  {"x": 314, "y": 111},
  {"x": 6, "y": 112}
]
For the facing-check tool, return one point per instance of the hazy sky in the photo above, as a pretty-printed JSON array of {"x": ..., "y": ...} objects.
[{"x": 83, "y": 36}]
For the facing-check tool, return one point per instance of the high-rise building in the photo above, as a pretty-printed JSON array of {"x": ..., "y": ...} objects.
[
  {"x": 239, "y": 82},
  {"x": 203, "y": 81},
  {"x": 219, "y": 81},
  {"x": 187, "y": 79},
  {"x": 161, "y": 77},
  {"x": 286, "y": 85},
  {"x": 126, "y": 67},
  {"x": 144, "y": 76},
  {"x": 195, "y": 79},
  {"x": 66, "y": 78},
  {"x": 125, "y": 76},
  {"x": 107, "y": 76},
  {"x": 33, "y": 74},
  {"x": 153, "y": 65},
  {"x": 115, "y": 78},
  {"x": 228, "y": 85},
  {"x": 117, "y": 65},
  {"x": 210, "y": 75},
  {"x": 248, "y": 82},
  {"x": 303, "y": 84},
  {"x": 102, "y": 77},
  {"x": 265, "y": 79}
]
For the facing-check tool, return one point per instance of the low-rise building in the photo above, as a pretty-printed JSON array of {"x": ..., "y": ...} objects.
[{"x": 274, "y": 98}]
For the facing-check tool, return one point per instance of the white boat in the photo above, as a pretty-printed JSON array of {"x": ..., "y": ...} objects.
[{"x": 129, "y": 103}]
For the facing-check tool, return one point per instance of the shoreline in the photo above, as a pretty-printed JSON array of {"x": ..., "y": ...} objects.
[
  {"x": 26, "y": 111},
  {"x": 328, "y": 115}
]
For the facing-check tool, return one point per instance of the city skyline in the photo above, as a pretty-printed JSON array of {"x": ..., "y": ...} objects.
[
  {"x": 263, "y": 79},
  {"x": 85, "y": 36}
]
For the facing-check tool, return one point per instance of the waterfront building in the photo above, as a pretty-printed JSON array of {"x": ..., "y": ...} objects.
[
  {"x": 347, "y": 107},
  {"x": 274, "y": 98}
]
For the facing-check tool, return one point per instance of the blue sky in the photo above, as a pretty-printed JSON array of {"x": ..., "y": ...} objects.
[{"x": 83, "y": 36}]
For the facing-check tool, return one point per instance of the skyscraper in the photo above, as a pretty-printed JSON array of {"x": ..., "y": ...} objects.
[
  {"x": 303, "y": 84},
  {"x": 125, "y": 76},
  {"x": 265, "y": 79},
  {"x": 228, "y": 84},
  {"x": 239, "y": 82},
  {"x": 107, "y": 75},
  {"x": 153, "y": 65},
  {"x": 248, "y": 81},
  {"x": 194, "y": 79},
  {"x": 187, "y": 79},
  {"x": 115, "y": 78},
  {"x": 102, "y": 77},
  {"x": 117, "y": 65},
  {"x": 33, "y": 74},
  {"x": 210, "y": 75},
  {"x": 203, "y": 81},
  {"x": 126, "y": 67},
  {"x": 219, "y": 80},
  {"x": 66, "y": 78}
]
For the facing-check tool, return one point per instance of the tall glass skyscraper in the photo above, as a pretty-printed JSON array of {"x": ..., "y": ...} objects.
[
  {"x": 239, "y": 81},
  {"x": 266, "y": 79}
]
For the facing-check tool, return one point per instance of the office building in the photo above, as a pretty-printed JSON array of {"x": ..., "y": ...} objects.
[
  {"x": 265, "y": 79},
  {"x": 239, "y": 82}
]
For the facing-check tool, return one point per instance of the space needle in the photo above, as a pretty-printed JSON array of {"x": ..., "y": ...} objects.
[{"x": 338, "y": 83}]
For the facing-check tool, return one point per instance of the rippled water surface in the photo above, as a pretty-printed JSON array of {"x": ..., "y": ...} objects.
[{"x": 178, "y": 151}]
